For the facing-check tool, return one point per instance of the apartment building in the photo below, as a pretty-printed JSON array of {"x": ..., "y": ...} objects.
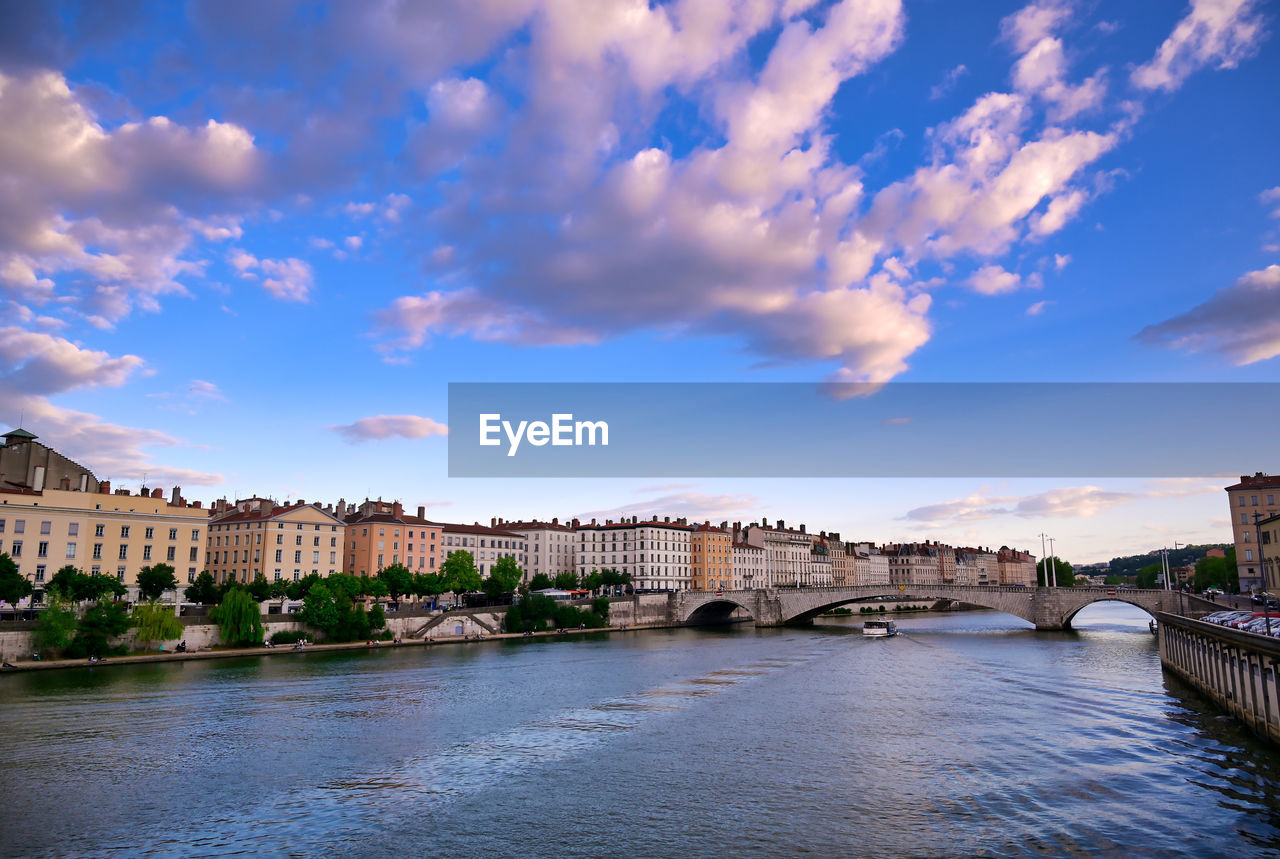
[
  {"x": 913, "y": 564},
  {"x": 977, "y": 566},
  {"x": 841, "y": 562},
  {"x": 1016, "y": 567},
  {"x": 820, "y": 568},
  {"x": 551, "y": 546},
  {"x": 1269, "y": 551},
  {"x": 711, "y": 558},
  {"x": 256, "y": 536},
  {"x": 749, "y": 567},
  {"x": 379, "y": 534},
  {"x": 486, "y": 545},
  {"x": 870, "y": 565},
  {"x": 655, "y": 553},
  {"x": 1251, "y": 501},
  {"x": 789, "y": 560}
]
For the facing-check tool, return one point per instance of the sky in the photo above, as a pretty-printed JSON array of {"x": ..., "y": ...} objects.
[{"x": 245, "y": 246}]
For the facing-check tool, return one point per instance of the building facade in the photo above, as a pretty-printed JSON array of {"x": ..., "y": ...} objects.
[
  {"x": 870, "y": 564},
  {"x": 101, "y": 533},
  {"x": 486, "y": 545},
  {"x": 710, "y": 558},
  {"x": 256, "y": 536},
  {"x": 749, "y": 568},
  {"x": 655, "y": 553},
  {"x": 379, "y": 534},
  {"x": 1016, "y": 567},
  {"x": 27, "y": 464},
  {"x": 1251, "y": 501},
  {"x": 550, "y": 546}
]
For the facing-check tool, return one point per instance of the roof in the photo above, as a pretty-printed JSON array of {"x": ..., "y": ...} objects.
[
  {"x": 644, "y": 524},
  {"x": 535, "y": 525},
  {"x": 261, "y": 515},
  {"x": 20, "y": 433},
  {"x": 477, "y": 529},
  {"x": 1260, "y": 480}
]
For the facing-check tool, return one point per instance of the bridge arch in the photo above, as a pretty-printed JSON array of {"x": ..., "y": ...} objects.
[
  {"x": 716, "y": 611},
  {"x": 1071, "y": 615}
]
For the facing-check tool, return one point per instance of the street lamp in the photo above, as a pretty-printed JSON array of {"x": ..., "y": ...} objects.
[
  {"x": 1044, "y": 558},
  {"x": 1053, "y": 563}
]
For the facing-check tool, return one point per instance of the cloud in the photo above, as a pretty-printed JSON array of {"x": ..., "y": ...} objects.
[
  {"x": 34, "y": 366},
  {"x": 993, "y": 280},
  {"x": 120, "y": 206},
  {"x": 948, "y": 82},
  {"x": 694, "y": 506},
  {"x": 1061, "y": 261},
  {"x": 390, "y": 426},
  {"x": 1217, "y": 33},
  {"x": 1240, "y": 322},
  {"x": 1038, "y": 308},
  {"x": 892, "y": 421},
  {"x": 1272, "y": 195},
  {"x": 205, "y": 390}
]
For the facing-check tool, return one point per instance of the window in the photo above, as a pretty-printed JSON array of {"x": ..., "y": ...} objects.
[
  {"x": 42, "y": 549},
  {"x": 120, "y": 573},
  {"x": 146, "y": 552},
  {"x": 191, "y": 575},
  {"x": 124, "y": 532},
  {"x": 297, "y": 557},
  {"x": 1253, "y": 499},
  {"x": 46, "y": 527},
  {"x": 150, "y": 534},
  {"x": 1241, "y": 500},
  {"x": 315, "y": 557},
  {"x": 333, "y": 541},
  {"x": 195, "y": 533},
  {"x": 71, "y": 550},
  {"x": 297, "y": 540},
  {"x": 19, "y": 526},
  {"x": 73, "y": 529},
  {"x": 1248, "y": 554},
  {"x": 169, "y": 554},
  {"x": 279, "y": 559},
  {"x": 16, "y": 549},
  {"x": 194, "y": 557},
  {"x": 173, "y": 533},
  {"x": 39, "y": 573},
  {"x": 279, "y": 539},
  {"x": 315, "y": 541},
  {"x": 1244, "y": 518},
  {"x": 1, "y": 526},
  {"x": 97, "y": 551},
  {"x": 124, "y": 553}
]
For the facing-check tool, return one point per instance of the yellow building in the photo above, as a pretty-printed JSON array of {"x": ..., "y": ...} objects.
[
  {"x": 711, "y": 558},
  {"x": 257, "y": 536},
  {"x": 1251, "y": 500},
  {"x": 101, "y": 533}
]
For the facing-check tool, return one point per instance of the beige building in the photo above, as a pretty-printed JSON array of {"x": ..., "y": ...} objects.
[
  {"x": 749, "y": 568},
  {"x": 485, "y": 544},
  {"x": 656, "y": 553},
  {"x": 870, "y": 564},
  {"x": 711, "y": 558},
  {"x": 1251, "y": 500},
  {"x": 977, "y": 567},
  {"x": 1016, "y": 568},
  {"x": 550, "y": 546},
  {"x": 841, "y": 563},
  {"x": 287, "y": 542},
  {"x": 788, "y": 552},
  {"x": 104, "y": 532},
  {"x": 913, "y": 564}
]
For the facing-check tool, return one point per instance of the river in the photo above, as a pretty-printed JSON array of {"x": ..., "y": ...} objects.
[{"x": 969, "y": 734}]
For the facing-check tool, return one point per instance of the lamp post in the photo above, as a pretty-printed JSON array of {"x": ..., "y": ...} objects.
[
  {"x": 1044, "y": 558},
  {"x": 1053, "y": 563}
]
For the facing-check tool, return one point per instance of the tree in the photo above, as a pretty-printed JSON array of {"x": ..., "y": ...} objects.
[
  {"x": 504, "y": 577},
  {"x": 592, "y": 581},
  {"x": 260, "y": 588},
  {"x": 459, "y": 573},
  {"x": 74, "y": 586},
  {"x": 155, "y": 622},
  {"x": 567, "y": 581},
  {"x": 13, "y": 586},
  {"x": 279, "y": 591},
  {"x": 398, "y": 579},
  {"x": 428, "y": 585},
  {"x": 319, "y": 609},
  {"x": 57, "y": 625},
  {"x": 373, "y": 587},
  {"x": 103, "y": 621},
  {"x": 540, "y": 582},
  {"x": 1059, "y": 568},
  {"x": 299, "y": 589},
  {"x": 1147, "y": 575},
  {"x": 155, "y": 580},
  {"x": 239, "y": 618},
  {"x": 203, "y": 590}
]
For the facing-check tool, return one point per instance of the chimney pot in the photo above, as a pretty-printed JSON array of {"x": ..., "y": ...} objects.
[{"x": 422, "y": 511}]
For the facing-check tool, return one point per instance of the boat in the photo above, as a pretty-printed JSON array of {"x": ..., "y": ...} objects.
[
  {"x": 1154, "y": 627},
  {"x": 879, "y": 628}
]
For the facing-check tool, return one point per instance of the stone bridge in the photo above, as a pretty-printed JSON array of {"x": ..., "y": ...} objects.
[{"x": 1047, "y": 608}]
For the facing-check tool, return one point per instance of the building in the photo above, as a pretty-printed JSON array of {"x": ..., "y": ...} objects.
[
  {"x": 1269, "y": 549},
  {"x": 655, "y": 553},
  {"x": 101, "y": 533},
  {"x": 1016, "y": 568},
  {"x": 1251, "y": 500},
  {"x": 550, "y": 546},
  {"x": 485, "y": 544},
  {"x": 789, "y": 561},
  {"x": 710, "y": 558},
  {"x": 256, "y": 536},
  {"x": 977, "y": 567},
  {"x": 749, "y": 567},
  {"x": 913, "y": 564},
  {"x": 27, "y": 464},
  {"x": 379, "y": 534},
  {"x": 870, "y": 565},
  {"x": 820, "y": 570},
  {"x": 841, "y": 563}
]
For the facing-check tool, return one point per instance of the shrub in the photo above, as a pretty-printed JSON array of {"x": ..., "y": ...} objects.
[
  {"x": 387, "y": 635},
  {"x": 289, "y": 636}
]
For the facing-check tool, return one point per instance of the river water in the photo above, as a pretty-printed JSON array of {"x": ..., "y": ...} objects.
[{"x": 967, "y": 735}]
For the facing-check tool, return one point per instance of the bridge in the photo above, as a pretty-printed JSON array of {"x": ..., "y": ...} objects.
[{"x": 1047, "y": 608}]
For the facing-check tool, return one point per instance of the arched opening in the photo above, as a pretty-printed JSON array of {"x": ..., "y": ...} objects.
[
  {"x": 718, "y": 612},
  {"x": 1116, "y": 615}
]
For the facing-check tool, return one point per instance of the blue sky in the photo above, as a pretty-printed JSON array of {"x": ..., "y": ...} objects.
[{"x": 245, "y": 246}]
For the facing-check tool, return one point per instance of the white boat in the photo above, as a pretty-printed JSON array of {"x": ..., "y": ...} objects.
[{"x": 879, "y": 628}]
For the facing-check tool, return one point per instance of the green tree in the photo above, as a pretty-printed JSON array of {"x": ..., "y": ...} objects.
[
  {"x": 398, "y": 579},
  {"x": 504, "y": 577},
  {"x": 13, "y": 586},
  {"x": 298, "y": 590},
  {"x": 239, "y": 618},
  {"x": 103, "y": 621},
  {"x": 593, "y": 580},
  {"x": 373, "y": 587},
  {"x": 155, "y": 622},
  {"x": 155, "y": 580},
  {"x": 56, "y": 627},
  {"x": 1147, "y": 575},
  {"x": 279, "y": 590},
  {"x": 540, "y": 582},
  {"x": 567, "y": 581},
  {"x": 203, "y": 590},
  {"x": 260, "y": 588},
  {"x": 1065, "y": 577},
  {"x": 319, "y": 609},
  {"x": 428, "y": 585},
  {"x": 459, "y": 573}
]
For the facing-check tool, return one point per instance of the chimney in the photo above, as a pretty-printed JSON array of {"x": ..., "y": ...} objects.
[
  {"x": 197, "y": 504},
  {"x": 175, "y": 497},
  {"x": 493, "y": 522},
  {"x": 65, "y": 484},
  {"x": 555, "y": 520},
  {"x": 157, "y": 492},
  {"x": 782, "y": 525},
  {"x": 104, "y": 487},
  {"x": 299, "y": 502},
  {"x": 666, "y": 518},
  {"x": 422, "y": 511},
  {"x": 801, "y": 527},
  {"x": 397, "y": 510}
]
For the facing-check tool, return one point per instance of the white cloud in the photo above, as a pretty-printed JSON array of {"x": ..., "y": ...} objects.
[
  {"x": 1272, "y": 195},
  {"x": 390, "y": 426},
  {"x": 1217, "y": 33},
  {"x": 694, "y": 506},
  {"x": 1240, "y": 322},
  {"x": 993, "y": 280},
  {"x": 948, "y": 82},
  {"x": 1038, "y": 308},
  {"x": 287, "y": 279},
  {"x": 1061, "y": 261},
  {"x": 1070, "y": 502},
  {"x": 206, "y": 390}
]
